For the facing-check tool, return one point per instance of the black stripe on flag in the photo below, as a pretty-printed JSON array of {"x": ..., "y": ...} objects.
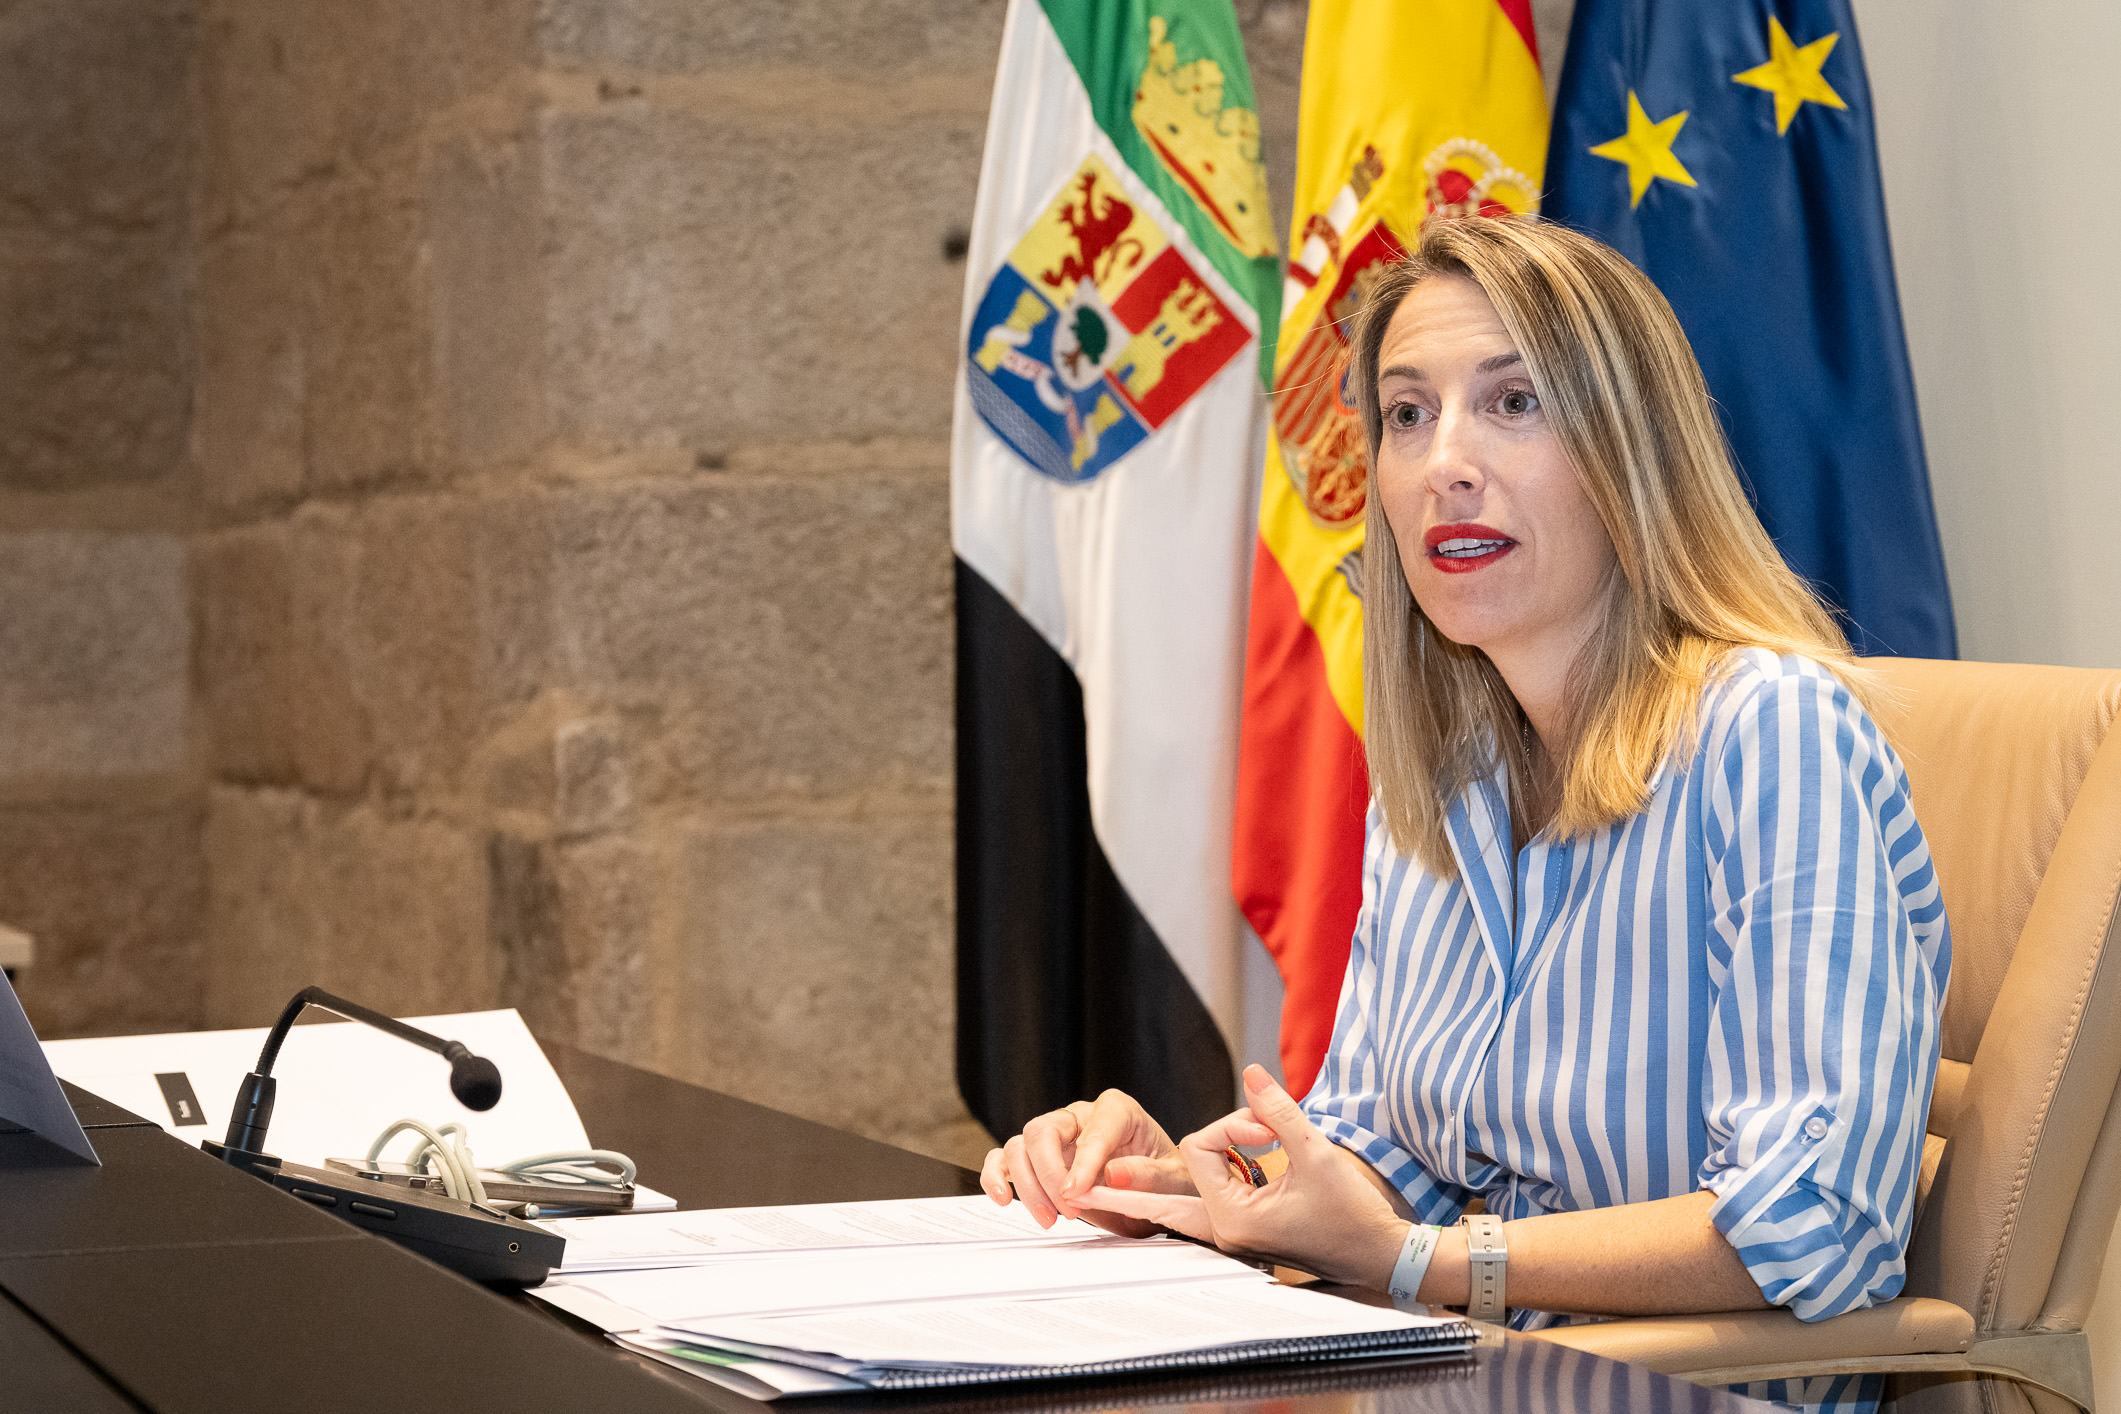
[{"x": 1063, "y": 988}]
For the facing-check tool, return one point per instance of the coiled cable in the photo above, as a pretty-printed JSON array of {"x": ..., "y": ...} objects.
[{"x": 445, "y": 1152}]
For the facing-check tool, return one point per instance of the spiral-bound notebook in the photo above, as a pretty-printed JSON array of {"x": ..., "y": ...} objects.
[
  {"x": 773, "y": 1372},
  {"x": 1068, "y": 1304}
]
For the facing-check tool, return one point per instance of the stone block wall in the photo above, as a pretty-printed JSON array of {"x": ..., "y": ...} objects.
[
  {"x": 99, "y": 765},
  {"x": 476, "y": 529},
  {"x": 572, "y": 572},
  {"x": 574, "y": 616}
]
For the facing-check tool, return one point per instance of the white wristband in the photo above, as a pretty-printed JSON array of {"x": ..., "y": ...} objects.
[{"x": 1413, "y": 1263}]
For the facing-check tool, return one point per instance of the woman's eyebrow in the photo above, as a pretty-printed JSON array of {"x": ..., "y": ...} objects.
[{"x": 1486, "y": 365}]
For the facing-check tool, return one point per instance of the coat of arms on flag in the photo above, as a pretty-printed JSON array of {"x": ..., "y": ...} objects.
[
  {"x": 1413, "y": 110},
  {"x": 1315, "y": 421},
  {"x": 1110, "y": 426},
  {"x": 1094, "y": 332}
]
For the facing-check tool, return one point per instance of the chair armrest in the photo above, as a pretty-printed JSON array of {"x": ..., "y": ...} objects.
[{"x": 1676, "y": 1345}]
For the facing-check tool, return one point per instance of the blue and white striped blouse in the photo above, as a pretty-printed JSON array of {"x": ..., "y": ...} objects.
[{"x": 1738, "y": 989}]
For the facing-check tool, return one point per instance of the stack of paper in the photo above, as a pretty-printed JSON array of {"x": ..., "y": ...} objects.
[{"x": 804, "y": 1300}]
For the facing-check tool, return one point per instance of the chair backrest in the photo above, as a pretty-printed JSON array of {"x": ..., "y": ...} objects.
[{"x": 2016, "y": 778}]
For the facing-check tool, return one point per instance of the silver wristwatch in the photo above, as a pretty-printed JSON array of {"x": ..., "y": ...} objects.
[{"x": 1490, "y": 1259}]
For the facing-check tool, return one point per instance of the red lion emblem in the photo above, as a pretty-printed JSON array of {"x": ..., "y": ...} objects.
[{"x": 1097, "y": 232}]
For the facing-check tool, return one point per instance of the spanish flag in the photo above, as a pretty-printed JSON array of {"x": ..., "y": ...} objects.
[
  {"x": 1111, "y": 418},
  {"x": 1411, "y": 110}
]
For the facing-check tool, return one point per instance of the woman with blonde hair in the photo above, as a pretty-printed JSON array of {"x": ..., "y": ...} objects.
[{"x": 1651, "y": 957}]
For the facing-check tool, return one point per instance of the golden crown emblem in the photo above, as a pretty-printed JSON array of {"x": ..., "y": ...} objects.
[{"x": 1214, "y": 150}]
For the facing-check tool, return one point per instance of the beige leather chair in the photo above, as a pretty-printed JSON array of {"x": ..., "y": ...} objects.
[{"x": 2017, "y": 782}]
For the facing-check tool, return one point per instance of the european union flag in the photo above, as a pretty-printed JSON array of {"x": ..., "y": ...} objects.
[{"x": 1727, "y": 149}]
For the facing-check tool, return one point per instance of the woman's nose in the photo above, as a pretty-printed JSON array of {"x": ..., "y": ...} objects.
[{"x": 1454, "y": 455}]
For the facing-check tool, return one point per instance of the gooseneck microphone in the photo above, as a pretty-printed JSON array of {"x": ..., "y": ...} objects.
[
  {"x": 471, "y": 1238},
  {"x": 473, "y": 1079}
]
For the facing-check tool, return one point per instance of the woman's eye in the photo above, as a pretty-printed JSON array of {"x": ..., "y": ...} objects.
[
  {"x": 1517, "y": 402},
  {"x": 1404, "y": 414}
]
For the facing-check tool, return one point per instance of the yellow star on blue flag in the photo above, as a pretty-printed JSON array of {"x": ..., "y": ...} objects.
[
  {"x": 1776, "y": 260},
  {"x": 1646, "y": 150},
  {"x": 1792, "y": 74}
]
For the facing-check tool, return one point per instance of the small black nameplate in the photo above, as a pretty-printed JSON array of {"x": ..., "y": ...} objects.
[{"x": 177, "y": 1093}]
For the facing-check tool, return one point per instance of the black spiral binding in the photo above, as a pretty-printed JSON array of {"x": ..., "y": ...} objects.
[
  {"x": 1250, "y": 1384},
  {"x": 1301, "y": 1350}
]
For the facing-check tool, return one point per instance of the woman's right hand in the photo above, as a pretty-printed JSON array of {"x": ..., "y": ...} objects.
[
  {"x": 1327, "y": 1212},
  {"x": 1061, "y": 1156}
]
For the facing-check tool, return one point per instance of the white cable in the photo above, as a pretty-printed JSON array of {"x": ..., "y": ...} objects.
[
  {"x": 446, "y": 1153},
  {"x": 443, "y": 1151},
  {"x": 576, "y": 1168}
]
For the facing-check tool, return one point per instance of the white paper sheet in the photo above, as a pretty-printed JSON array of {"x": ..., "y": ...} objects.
[
  {"x": 340, "y": 1084},
  {"x": 1068, "y": 1330},
  {"x": 649, "y": 1200},
  {"x": 584, "y": 1304},
  {"x": 677, "y": 1296},
  {"x": 628, "y": 1241}
]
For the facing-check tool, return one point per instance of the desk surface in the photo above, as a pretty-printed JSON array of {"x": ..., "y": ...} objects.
[{"x": 166, "y": 1281}]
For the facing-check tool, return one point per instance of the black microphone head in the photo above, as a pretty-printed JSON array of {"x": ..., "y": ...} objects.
[{"x": 475, "y": 1081}]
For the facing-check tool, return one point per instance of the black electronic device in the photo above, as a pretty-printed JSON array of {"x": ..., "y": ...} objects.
[
  {"x": 485, "y": 1246},
  {"x": 477, "y": 1242}
]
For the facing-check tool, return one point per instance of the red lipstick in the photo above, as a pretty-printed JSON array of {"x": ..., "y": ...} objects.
[{"x": 1465, "y": 546}]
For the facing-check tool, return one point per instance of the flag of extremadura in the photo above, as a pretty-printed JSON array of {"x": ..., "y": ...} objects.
[{"x": 1110, "y": 425}]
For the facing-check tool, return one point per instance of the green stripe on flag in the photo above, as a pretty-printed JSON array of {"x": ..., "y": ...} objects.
[{"x": 1152, "y": 69}]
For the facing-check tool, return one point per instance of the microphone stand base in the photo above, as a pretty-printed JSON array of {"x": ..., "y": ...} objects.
[{"x": 263, "y": 1165}]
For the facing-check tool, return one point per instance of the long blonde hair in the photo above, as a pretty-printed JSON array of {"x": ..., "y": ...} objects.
[{"x": 1697, "y": 575}]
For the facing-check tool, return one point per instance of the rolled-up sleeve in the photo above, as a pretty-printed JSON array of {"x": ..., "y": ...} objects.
[
  {"x": 1828, "y": 959},
  {"x": 1347, "y": 1101}
]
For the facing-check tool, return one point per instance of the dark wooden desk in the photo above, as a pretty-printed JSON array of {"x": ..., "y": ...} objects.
[{"x": 166, "y": 1281}]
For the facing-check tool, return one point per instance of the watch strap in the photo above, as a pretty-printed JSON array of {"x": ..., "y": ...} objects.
[{"x": 1489, "y": 1259}]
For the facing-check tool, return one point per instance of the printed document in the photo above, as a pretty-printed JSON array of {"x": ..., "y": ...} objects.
[
  {"x": 811, "y": 1299},
  {"x": 896, "y": 1275},
  {"x": 1089, "y": 1328}
]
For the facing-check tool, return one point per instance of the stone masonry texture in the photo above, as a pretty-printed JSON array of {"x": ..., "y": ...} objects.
[
  {"x": 94, "y": 193},
  {"x": 570, "y": 544},
  {"x": 474, "y": 518},
  {"x": 100, "y": 806}
]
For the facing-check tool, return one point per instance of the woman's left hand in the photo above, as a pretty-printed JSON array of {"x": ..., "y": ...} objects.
[{"x": 1324, "y": 1214}]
